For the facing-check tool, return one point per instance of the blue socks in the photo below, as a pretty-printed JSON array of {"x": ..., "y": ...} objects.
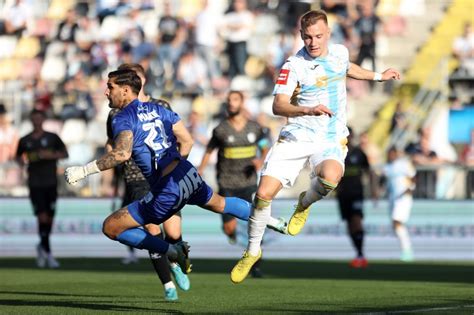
[
  {"x": 238, "y": 208},
  {"x": 141, "y": 239}
]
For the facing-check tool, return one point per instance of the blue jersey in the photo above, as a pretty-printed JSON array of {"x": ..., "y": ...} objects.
[{"x": 154, "y": 143}]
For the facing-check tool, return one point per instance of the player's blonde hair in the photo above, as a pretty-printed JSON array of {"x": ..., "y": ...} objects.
[{"x": 312, "y": 17}]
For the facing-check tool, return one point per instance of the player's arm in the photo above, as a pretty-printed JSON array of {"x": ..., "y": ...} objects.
[
  {"x": 283, "y": 107},
  {"x": 184, "y": 138},
  {"x": 119, "y": 154},
  {"x": 359, "y": 73},
  {"x": 58, "y": 152}
]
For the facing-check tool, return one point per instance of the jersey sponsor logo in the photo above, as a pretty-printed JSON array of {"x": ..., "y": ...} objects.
[
  {"x": 313, "y": 67},
  {"x": 188, "y": 185},
  {"x": 148, "y": 116},
  {"x": 240, "y": 152},
  {"x": 283, "y": 76}
]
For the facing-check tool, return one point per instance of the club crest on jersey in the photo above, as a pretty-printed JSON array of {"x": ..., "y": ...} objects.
[
  {"x": 283, "y": 76},
  {"x": 251, "y": 137},
  {"x": 230, "y": 138}
]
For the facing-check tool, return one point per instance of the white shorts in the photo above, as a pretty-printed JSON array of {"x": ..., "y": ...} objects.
[
  {"x": 400, "y": 208},
  {"x": 285, "y": 160}
]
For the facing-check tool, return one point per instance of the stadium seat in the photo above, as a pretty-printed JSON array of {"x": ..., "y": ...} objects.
[
  {"x": 53, "y": 125},
  {"x": 54, "y": 69},
  {"x": 27, "y": 47},
  {"x": 111, "y": 28},
  {"x": 96, "y": 133},
  {"x": 10, "y": 69},
  {"x": 74, "y": 131},
  {"x": 58, "y": 9},
  {"x": 8, "y": 44},
  {"x": 30, "y": 69}
]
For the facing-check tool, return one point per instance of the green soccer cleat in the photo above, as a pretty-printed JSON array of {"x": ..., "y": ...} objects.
[
  {"x": 181, "y": 279},
  {"x": 243, "y": 266},
  {"x": 171, "y": 294},
  {"x": 281, "y": 227},
  {"x": 298, "y": 220}
]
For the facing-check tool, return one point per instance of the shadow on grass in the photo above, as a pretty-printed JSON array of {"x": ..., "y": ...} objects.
[
  {"x": 94, "y": 306},
  {"x": 293, "y": 269}
]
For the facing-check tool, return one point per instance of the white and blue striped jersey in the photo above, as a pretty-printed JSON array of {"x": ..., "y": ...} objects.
[{"x": 312, "y": 81}]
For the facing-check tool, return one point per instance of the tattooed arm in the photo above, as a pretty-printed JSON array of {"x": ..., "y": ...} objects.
[{"x": 119, "y": 154}]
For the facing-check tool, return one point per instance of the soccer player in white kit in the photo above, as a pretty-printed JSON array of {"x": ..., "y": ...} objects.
[
  {"x": 400, "y": 174},
  {"x": 311, "y": 92}
]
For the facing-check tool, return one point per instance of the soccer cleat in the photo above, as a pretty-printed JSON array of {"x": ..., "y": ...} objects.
[
  {"x": 40, "y": 256},
  {"x": 281, "y": 227},
  {"x": 359, "y": 262},
  {"x": 407, "y": 256},
  {"x": 298, "y": 219},
  {"x": 171, "y": 294},
  {"x": 181, "y": 279},
  {"x": 52, "y": 263},
  {"x": 243, "y": 266},
  {"x": 183, "y": 260}
]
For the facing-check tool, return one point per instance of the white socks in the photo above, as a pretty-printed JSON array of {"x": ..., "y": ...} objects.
[
  {"x": 319, "y": 188},
  {"x": 272, "y": 221},
  {"x": 169, "y": 285},
  {"x": 402, "y": 234},
  {"x": 261, "y": 211}
]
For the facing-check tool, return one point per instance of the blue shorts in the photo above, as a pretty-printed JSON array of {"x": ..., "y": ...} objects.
[{"x": 182, "y": 186}]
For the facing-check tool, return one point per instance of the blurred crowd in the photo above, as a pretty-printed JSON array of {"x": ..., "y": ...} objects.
[{"x": 57, "y": 54}]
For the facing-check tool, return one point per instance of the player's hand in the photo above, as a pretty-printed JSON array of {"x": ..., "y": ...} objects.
[
  {"x": 74, "y": 174},
  {"x": 319, "y": 110},
  {"x": 390, "y": 74}
]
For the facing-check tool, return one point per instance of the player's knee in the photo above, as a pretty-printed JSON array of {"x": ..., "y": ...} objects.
[
  {"x": 323, "y": 186},
  {"x": 109, "y": 230},
  {"x": 260, "y": 202},
  {"x": 153, "y": 229}
]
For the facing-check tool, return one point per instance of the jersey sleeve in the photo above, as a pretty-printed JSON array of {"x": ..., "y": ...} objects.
[
  {"x": 287, "y": 80},
  {"x": 21, "y": 147},
  {"x": 214, "y": 141},
  {"x": 120, "y": 122},
  {"x": 59, "y": 144},
  {"x": 169, "y": 115},
  {"x": 109, "y": 125}
]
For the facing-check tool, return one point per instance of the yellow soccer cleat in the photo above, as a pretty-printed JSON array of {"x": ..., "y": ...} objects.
[
  {"x": 243, "y": 266},
  {"x": 298, "y": 219}
]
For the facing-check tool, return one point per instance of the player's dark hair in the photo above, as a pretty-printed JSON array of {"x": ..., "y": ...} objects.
[
  {"x": 237, "y": 92},
  {"x": 127, "y": 77},
  {"x": 312, "y": 17},
  {"x": 138, "y": 68},
  {"x": 37, "y": 111}
]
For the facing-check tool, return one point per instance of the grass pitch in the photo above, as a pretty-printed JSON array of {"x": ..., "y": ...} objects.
[{"x": 104, "y": 286}]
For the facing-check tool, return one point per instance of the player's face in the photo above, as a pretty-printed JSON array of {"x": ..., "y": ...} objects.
[
  {"x": 114, "y": 94},
  {"x": 37, "y": 120},
  {"x": 316, "y": 38},
  {"x": 234, "y": 104}
]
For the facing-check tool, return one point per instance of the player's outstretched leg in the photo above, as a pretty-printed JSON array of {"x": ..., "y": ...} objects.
[{"x": 319, "y": 189}]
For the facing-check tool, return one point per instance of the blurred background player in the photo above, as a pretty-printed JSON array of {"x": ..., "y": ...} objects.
[
  {"x": 40, "y": 151},
  {"x": 311, "y": 92},
  {"x": 136, "y": 187},
  {"x": 242, "y": 146},
  {"x": 350, "y": 196},
  {"x": 400, "y": 174}
]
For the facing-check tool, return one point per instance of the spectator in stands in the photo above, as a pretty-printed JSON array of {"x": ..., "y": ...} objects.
[
  {"x": 399, "y": 121},
  {"x": 207, "y": 39},
  {"x": 170, "y": 37},
  {"x": 8, "y": 137},
  {"x": 467, "y": 159},
  {"x": 41, "y": 150},
  {"x": 463, "y": 49},
  {"x": 191, "y": 74},
  {"x": 68, "y": 27},
  {"x": 421, "y": 152},
  {"x": 237, "y": 27},
  {"x": 367, "y": 26},
  {"x": 17, "y": 16}
]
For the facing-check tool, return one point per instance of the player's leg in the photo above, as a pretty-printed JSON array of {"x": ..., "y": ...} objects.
[
  {"x": 123, "y": 227},
  {"x": 400, "y": 214},
  {"x": 161, "y": 265},
  {"x": 229, "y": 223},
  {"x": 172, "y": 228},
  {"x": 328, "y": 174},
  {"x": 356, "y": 232},
  {"x": 261, "y": 213}
]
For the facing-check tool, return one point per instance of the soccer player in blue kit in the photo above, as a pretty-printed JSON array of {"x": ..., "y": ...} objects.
[{"x": 149, "y": 133}]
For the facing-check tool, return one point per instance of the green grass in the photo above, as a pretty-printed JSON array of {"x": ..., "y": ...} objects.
[{"x": 104, "y": 286}]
